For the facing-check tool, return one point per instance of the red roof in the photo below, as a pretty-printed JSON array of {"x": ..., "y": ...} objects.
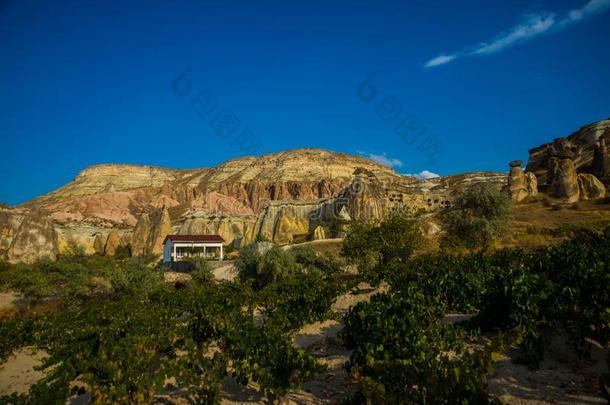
[{"x": 195, "y": 238}]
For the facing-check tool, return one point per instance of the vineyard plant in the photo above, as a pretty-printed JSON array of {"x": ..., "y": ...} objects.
[{"x": 116, "y": 331}]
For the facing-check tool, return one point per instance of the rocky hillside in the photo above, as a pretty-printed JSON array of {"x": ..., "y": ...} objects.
[
  {"x": 580, "y": 146},
  {"x": 284, "y": 197},
  {"x": 576, "y": 167}
]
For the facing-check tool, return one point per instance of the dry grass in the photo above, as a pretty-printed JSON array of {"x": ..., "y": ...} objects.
[{"x": 543, "y": 221}]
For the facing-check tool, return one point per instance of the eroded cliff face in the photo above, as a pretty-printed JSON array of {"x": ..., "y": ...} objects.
[
  {"x": 579, "y": 146},
  {"x": 34, "y": 238},
  {"x": 287, "y": 221},
  {"x": 282, "y": 197}
]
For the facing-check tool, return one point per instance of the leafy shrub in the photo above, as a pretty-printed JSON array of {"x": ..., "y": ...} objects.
[
  {"x": 274, "y": 265},
  {"x": 142, "y": 280},
  {"x": 122, "y": 348},
  {"x": 403, "y": 353},
  {"x": 247, "y": 263},
  {"x": 477, "y": 218},
  {"x": 310, "y": 262},
  {"x": 304, "y": 255},
  {"x": 293, "y": 302},
  {"x": 374, "y": 246},
  {"x": 202, "y": 273}
]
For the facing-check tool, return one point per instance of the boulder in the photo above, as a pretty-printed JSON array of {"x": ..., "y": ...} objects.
[
  {"x": 590, "y": 187},
  {"x": 112, "y": 243},
  {"x": 563, "y": 180},
  {"x": 319, "y": 233}
]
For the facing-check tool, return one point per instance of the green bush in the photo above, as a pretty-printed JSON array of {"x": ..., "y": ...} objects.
[
  {"x": 477, "y": 218},
  {"x": 202, "y": 272},
  {"x": 247, "y": 263},
  {"x": 304, "y": 255},
  {"x": 372, "y": 246},
  {"x": 403, "y": 353},
  {"x": 274, "y": 265},
  {"x": 294, "y": 302},
  {"x": 142, "y": 281}
]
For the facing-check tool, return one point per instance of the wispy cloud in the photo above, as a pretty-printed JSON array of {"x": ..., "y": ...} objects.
[
  {"x": 533, "y": 25},
  {"x": 382, "y": 159},
  {"x": 441, "y": 60},
  {"x": 423, "y": 175}
]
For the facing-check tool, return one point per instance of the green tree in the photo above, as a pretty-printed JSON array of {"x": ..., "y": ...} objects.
[
  {"x": 478, "y": 217},
  {"x": 274, "y": 265},
  {"x": 372, "y": 246},
  {"x": 397, "y": 236}
]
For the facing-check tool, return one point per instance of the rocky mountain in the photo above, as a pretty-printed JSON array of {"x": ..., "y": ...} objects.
[{"x": 282, "y": 197}]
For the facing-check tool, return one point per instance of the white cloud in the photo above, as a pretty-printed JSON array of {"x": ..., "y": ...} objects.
[
  {"x": 382, "y": 159},
  {"x": 441, "y": 60},
  {"x": 532, "y": 26},
  {"x": 592, "y": 7},
  {"x": 423, "y": 175}
]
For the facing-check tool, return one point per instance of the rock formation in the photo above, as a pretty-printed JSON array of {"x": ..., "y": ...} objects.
[
  {"x": 516, "y": 181},
  {"x": 112, "y": 243},
  {"x": 590, "y": 187},
  {"x": 319, "y": 233},
  {"x": 563, "y": 181},
  {"x": 531, "y": 184},
  {"x": 162, "y": 226},
  {"x": 585, "y": 139},
  {"x": 601, "y": 161},
  {"x": 521, "y": 185},
  {"x": 35, "y": 238},
  {"x": 99, "y": 243},
  {"x": 365, "y": 198},
  {"x": 140, "y": 236}
]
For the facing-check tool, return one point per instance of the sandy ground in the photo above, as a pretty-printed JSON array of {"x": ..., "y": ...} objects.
[
  {"x": 561, "y": 379},
  {"x": 225, "y": 271},
  {"x": 17, "y": 374}
]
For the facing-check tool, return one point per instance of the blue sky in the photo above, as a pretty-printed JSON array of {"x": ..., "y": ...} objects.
[{"x": 93, "y": 82}]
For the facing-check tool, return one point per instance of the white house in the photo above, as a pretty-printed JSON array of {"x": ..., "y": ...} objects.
[{"x": 178, "y": 247}]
